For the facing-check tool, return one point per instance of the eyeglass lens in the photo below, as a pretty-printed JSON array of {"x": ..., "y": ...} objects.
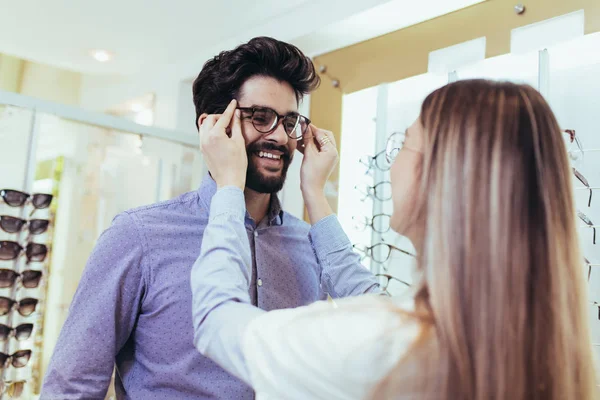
[
  {"x": 11, "y": 224},
  {"x": 265, "y": 120},
  {"x": 19, "y": 358}
]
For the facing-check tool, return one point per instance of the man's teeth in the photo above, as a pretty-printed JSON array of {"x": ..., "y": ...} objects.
[{"x": 264, "y": 154}]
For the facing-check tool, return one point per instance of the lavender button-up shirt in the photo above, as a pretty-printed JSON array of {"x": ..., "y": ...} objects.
[{"x": 133, "y": 306}]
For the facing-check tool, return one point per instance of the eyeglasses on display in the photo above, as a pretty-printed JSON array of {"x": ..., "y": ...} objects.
[
  {"x": 394, "y": 144},
  {"x": 18, "y": 359},
  {"x": 380, "y": 223},
  {"x": 588, "y": 222},
  {"x": 390, "y": 278},
  {"x": 21, "y": 332},
  {"x": 266, "y": 120},
  {"x": 380, "y": 252},
  {"x": 585, "y": 183},
  {"x": 382, "y": 191},
  {"x": 30, "y": 278},
  {"x": 14, "y": 390},
  {"x": 25, "y": 307},
  {"x": 16, "y": 198},
  {"x": 379, "y": 161},
  {"x": 34, "y": 252},
  {"x": 11, "y": 224}
]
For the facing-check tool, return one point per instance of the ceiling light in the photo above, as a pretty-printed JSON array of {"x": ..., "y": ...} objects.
[{"x": 101, "y": 55}]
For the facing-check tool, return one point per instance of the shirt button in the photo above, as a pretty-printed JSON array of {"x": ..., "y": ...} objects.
[
  {"x": 259, "y": 282},
  {"x": 255, "y": 233}
]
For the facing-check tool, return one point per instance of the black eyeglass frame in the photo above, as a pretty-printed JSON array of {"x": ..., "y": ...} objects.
[{"x": 278, "y": 118}]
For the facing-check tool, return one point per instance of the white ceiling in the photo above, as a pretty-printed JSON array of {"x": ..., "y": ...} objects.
[
  {"x": 141, "y": 33},
  {"x": 179, "y": 35}
]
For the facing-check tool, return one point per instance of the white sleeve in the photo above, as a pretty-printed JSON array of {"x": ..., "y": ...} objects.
[{"x": 323, "y": 351}]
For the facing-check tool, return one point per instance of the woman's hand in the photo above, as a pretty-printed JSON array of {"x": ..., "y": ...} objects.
[
  {"x": 320, "y": 158},
  {"x": 225, "y": 156}
]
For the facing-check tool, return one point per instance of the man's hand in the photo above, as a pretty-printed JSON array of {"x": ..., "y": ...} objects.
[{"x": 225, "y": 156}]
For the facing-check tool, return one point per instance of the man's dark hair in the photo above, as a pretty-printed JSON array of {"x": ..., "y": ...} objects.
[{"x": 222, "y": 77}]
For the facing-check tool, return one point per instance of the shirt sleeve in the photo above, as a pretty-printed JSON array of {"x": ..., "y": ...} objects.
[
  {"x": 325, "y": 351},
  {"x": 101, "y": 316},
  {"x": 342, "y": 273},
  {"x": 220, "y": 279}
]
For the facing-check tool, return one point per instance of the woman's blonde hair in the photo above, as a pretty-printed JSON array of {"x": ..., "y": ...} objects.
[{"x": 502, "y": 299}]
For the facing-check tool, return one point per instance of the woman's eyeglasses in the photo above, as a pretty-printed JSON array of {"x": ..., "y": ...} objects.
[
  {"x": 380, "y": 223},
  {"x": 10, "y": 250},
  {"x": 25, "y": 307},
  {"x": 18, "y": 359},
  {"x": 382, "y": 191},
  {"x": 11, "y": 224},
  {"x": 265, "y": 120},
  {"x": 380, "y": 252},
  {"x": 21, "y": 332},
  {"x": 30, "y": 279},
  {"x": 390, "y": 278},
  {"x": 15, "y": 198}
]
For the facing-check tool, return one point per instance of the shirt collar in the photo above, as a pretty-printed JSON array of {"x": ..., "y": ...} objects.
[{"x": 208, "y": 188}]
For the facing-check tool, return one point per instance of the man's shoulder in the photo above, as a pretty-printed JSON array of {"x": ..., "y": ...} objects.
[
  {"x": 293, "y": 222},
  {"x": 187, "y": 202}
]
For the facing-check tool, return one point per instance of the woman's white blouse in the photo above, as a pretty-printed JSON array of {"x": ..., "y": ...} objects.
[{"x": 326, "y": 350}]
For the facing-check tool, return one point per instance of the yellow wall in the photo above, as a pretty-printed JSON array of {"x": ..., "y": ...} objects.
[
  {"x": 49, "y": 83},
  {"x": 405, "y": 53},
  {"x": 11, "y": 73},
  {"x": 39, "y": 80}
]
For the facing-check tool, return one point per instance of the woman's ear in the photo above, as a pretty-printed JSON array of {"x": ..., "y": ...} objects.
[{"x": 201, "y": 119}]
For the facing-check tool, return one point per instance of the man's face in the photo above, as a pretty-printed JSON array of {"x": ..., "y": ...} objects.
[{"x": 269, "y": 154}]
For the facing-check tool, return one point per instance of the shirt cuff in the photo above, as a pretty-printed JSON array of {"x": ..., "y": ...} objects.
[
  {"x": 230, "y": 201},
  {"x": 327, "y": 236}
]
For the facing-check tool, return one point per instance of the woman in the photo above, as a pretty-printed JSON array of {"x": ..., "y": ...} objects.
[{"x": 481, "y": 185}]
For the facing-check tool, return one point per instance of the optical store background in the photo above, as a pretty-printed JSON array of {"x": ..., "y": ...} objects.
[{"x": 96, "y": 110}]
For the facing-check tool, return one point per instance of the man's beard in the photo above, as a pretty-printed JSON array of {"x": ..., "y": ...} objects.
[{"x": 256, "y": 180}]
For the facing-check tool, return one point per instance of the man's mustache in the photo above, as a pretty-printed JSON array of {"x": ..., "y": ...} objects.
[{"x": 266, "y": 146}]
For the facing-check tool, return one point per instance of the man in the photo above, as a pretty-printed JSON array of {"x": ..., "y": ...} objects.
[{"x": 133, "y": 307}]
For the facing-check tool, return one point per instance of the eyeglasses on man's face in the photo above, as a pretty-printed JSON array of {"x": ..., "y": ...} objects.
[{"x": 265, "y": 120}]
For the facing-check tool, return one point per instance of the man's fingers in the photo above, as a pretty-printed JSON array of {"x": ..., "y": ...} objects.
[
  {"x": 236, "y": 127},
  {"x": 225, "y": 119}
]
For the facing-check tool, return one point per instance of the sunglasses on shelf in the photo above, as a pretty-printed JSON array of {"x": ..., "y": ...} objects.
[
  {"x": 12, "y": 389},
  {"x": 11, "y": 224},
  {"x": 34, "y": 252},
  {"x": 21, "y": 332},
  {"x": 15, "y": 198},
  {"x": 30, "y": 278},
  {"x": 25, "y": 307},
  {"x": 18, "y": 359}
]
